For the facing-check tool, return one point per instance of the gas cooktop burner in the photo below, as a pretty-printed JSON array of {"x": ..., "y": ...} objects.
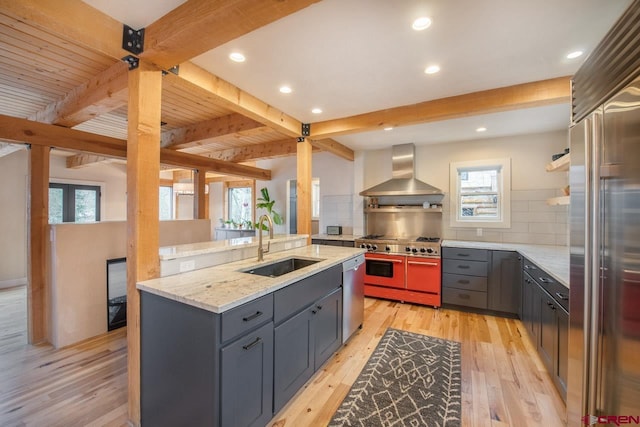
[{"x": 428, "y": 239}]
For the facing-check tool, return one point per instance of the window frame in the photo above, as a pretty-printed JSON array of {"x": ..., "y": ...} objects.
[
  {"x": 503, "y": 166},
  {"x": 239, "y": 184},
  {"x": 68, "y": 199}
]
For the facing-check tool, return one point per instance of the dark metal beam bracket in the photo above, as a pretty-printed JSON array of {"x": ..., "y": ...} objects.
[
  {"x": 132, "y": 61},
  {"x": 132, "y": 40},
  {"x": 306, "y": 129}
]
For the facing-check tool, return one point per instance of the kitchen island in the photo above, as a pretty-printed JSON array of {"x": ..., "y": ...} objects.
[{"x": 221, "y": 346}]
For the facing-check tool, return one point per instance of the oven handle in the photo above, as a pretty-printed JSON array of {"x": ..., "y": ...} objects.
[
  {"x": 434, "y": 264},
  {"x": 385, "y": 260}
]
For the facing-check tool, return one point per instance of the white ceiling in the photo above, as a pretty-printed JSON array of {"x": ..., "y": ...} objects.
[{"x": 355, "y": 56}]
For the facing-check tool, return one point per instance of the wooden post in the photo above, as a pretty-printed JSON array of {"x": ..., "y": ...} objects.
[
  {"x": 37, "y": 265},
  {"x": 199, "y": 199},
  {"x": 303, "y": 184},
  {"x": 143, "y": 180}
]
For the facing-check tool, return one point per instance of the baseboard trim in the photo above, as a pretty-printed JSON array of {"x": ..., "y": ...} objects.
[{"x": 13, "y": 283}]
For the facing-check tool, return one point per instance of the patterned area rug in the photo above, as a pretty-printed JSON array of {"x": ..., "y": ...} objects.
[{"x": 410, "y": 380}]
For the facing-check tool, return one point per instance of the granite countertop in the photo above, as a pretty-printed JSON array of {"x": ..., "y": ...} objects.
[
  {"x": 552, "y": 259},
  {"x": 346, "y": 237},
  {"x": 212, "y": 246},
  {"x": 220, "y": 288}
]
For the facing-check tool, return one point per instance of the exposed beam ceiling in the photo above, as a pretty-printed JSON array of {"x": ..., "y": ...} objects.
[
  {"x": 198, "y": 26},
  {"x": 189, "y": 136},
  {"x": 334, "y": 147},
  {"x": 6, "y": 148},
  {"x": 26, "y": 131},
  {"x": 104, "y": 93},
  {"x": 199, "y": 82},
  {"x": 81, "y": 160},
  {"x": 285, "y": 147},
  {"x": 535, "y": 94}
]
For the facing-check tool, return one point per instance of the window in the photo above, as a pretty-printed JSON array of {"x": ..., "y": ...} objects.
[
  {"x": 73, "y": 203},
  {"x": 315, "y": 198},
  {"x": 166, "y": 202},
  {"x": 241, "y": 202},
  {"x": 480, "y": 194}
]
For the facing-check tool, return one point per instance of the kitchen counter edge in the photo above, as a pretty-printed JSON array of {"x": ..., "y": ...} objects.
[
  {"x": 552, "y": 259},
  {"x": 223, "y": 287}
]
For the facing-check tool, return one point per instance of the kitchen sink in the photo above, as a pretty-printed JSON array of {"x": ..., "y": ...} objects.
[{"x": 281, "y": 267}]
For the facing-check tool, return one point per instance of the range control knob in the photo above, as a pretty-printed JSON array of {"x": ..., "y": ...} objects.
[
  {"x": 375, "y": 247},
  {"x": 369, "y": 246},
  {"x": 414, "y": 250},
  {"x": 407, "y": 249},
  {"x": 362, "y": 245},
  {"x": 429, "y": 250},
  {"x": 422, "y": 250},
  {"x": 387, "y": 248}
]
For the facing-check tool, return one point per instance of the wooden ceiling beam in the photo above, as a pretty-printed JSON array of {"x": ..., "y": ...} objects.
[
  {"x": 105, "y": 92},
  {"x": 283, "y": 148},
  {"x": 527, "y": 95},
  {"x": 201, "y": 83},
  {"x": 30, "y": 132},
  {"x": 334, "y": 147},
  {"x": 198, "y": 26},
  {"x": 74, "y": 20},
  {"x": 82, "y": 160},
  {"x": 192, "y": 135}
]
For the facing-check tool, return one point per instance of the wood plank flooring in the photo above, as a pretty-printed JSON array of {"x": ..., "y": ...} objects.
[{"x": 504, "y": 383}]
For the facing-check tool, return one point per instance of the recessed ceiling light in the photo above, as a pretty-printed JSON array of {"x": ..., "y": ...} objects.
[
  {"x": 575, "y": 54},
  {"x": 316, "y": 111},
  {"x": 481, "y": 129},
  {"x": 421, "y": 23},
  {"x": 285, "y": 89},
  {"x": 237, "y": 57},
  {"x": 388, "y": 128},
  {"x": 432, "y": 69}
]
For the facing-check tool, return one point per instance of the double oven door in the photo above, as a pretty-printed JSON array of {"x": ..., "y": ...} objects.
[{"x": 385, "y": 270}]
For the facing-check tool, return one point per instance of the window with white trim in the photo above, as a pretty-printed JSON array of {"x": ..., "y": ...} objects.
[{"x": 480, "y": 193}]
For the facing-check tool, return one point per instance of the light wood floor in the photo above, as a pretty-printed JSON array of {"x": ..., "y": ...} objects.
[{"x": 503, "y": 381}]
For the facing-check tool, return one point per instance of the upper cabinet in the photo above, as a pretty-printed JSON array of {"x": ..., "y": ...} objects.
[{"x": 560, "y": 165}]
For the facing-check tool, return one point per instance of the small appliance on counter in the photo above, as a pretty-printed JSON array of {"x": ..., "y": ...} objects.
[{"x": 334, "y": 230}]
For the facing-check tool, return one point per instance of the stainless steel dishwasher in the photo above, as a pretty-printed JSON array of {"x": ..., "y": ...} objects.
[{"x": 352, "y": 295}]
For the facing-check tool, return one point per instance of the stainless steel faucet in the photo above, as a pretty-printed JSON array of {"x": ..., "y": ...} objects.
[{"x": 261, "y": 250}]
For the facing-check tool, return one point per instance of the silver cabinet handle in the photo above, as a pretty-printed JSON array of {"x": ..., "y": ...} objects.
[
  {"x": 397, "y": 261},
  {"x": 434, "y": 264}
]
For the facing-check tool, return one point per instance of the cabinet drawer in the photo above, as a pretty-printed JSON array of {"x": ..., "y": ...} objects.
[
  {"x": 469, "y": 268},
  {"x": 241, "y": 319},
  {"x": 468, "y": 254},
  {"x": 557, "y": 290},
  {"x": 460, "y": 281},
  {"x": 297, "y": 296},
  {"x": 465, "y": 298}
]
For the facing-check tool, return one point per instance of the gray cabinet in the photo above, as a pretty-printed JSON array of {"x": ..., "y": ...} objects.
[
  {"x": 505, "y": 283},
  {"x": 246, "y": 369},
  {"x": 334, "y": 242},
  {"x": 308, "y": 317},
  {"x": 544, "y": 315},
  {"x": 464, "y": 277}
]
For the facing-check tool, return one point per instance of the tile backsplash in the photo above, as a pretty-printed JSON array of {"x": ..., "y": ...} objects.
[{"x": 532, "y": 221}]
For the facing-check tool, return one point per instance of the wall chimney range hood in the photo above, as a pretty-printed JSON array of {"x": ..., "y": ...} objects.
[{"x": 403, "y": 182}]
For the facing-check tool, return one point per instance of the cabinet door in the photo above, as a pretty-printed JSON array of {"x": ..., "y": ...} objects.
[
  {"x": 563, "y": 351},
  {"x": 505, "y": 282},
  {"x": 247, "y": 379},
  {"x": 530, "y": 307},
  {"x": 327, "y": 326},
  {"x": 423, "y": 274},
  {"x": 548, "y": 330},
  {"x": 293, "y": 357}
]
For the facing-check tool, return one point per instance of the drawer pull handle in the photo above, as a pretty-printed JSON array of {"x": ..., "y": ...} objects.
[
  {"x": 545, "y": 280},
  {"x": 319, "y": 307},
  {"x": 562, "y": 297},
  {"x": 530, "y": 267},
  {"x": 433, "y": 264},
  {"x": 252, "y": 344},
  {"x": 463, "y": 255},
  {"x": 464, "y": 296},
  {"x": 464, "y": 267},
  {"x": 464, "y": 282},
  {"x": 551, "y": 306},
  {"x": 252, "y": 317}
]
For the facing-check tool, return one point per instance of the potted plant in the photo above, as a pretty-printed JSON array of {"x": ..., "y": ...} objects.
[{"x": 266, "y": 203}]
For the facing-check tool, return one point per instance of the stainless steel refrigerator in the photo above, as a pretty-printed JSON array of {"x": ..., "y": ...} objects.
[{"x": 604, "y": 334}]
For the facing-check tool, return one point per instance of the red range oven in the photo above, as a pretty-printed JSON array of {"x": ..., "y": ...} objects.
[
  {"x": 385, "y": 270},
  {"x": 403, "y": 270}
]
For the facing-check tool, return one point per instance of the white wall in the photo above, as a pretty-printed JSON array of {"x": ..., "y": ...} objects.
[
  {"x": 532, "y": 220},
  {"x": 13, "y": 218}
]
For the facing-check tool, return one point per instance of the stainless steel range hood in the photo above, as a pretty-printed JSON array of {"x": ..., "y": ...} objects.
[{"x": 402, "y": 182}]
